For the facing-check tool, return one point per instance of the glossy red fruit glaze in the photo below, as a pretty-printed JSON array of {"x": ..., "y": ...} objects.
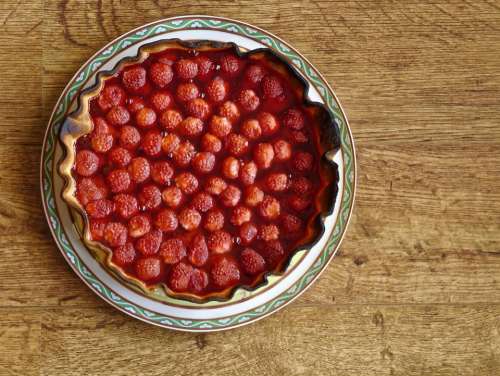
[
  {"x": 240, "y": 215},
  {"x": 119, "y": 180},
  {"x": 230, "y": 65},
  {"x": 277, "y": 182},
  {"x": 206, "y": 67},
  {"x": 118, "y": 116},
  {"x": 224, "y": 272},
  {"x": 231, "y": 196},
  {"x": 263, "y": 155},
  {"x": 198, "y": 108},
  {"x": 139, "y": 169},
  {"x": 301, "y": 185},
  {"x": 236, "y": 144},
  {"x": 271, "y": 87},
  {"x": 211, "y": 143},
  {"x": 145, "y": 118},
  {"x": 189, "y": 219},
  {"x": 134, "y": 78},
  {"x": 96, "y": 228},
  {"x": 215, "y": 185},
  {"x": 273, "y": 253},
  {"x": 90, "y": 189},
  {"x": 268, "y": 123},
  {"x": 214, "y": 220},
  {"x": 179, "y": 277},
  {"x": 217, "y": 90},
  {"x": 299, "y": 203},
  {"x": 187, "y": 183},
  {"x": 86, "y": 163},
  {"x": 190, "y": 127},
  {"x": 303, "y": 161},
  {"x": 198, "y": 281},
  {"x": 170, "y": 143},
  {"x": 202, "y": 202},
  {"x": 229, "y": 110},
  {"x": 172, "y": 251},
  {"x": 248, "y": 125},
  {"x": 149, "y": 197},
  {"x": 138, "y": 226},
  {"x": 248, "y": 232},
  {"x": 161, "y": 74},
  {"x": 172, "y": 196},
  {"x": 101, "y": 126},
  {"x": 111, "y": 96},
  {"x": 254, "y": 74},
  {"x": 115, "y": 234},
  {"x": 230, "y": 168},
  {"x": 149, "y": 244},
  {"x": 120, "y": 157},
  {"x": 125, "y": 205},
  {"x": 162, "y": 172},
  {"x": 184, "y": 153},
  {"x": 251, "y": 129},
  {"x": 220, "y": 126},
  {"x": 166, "y": 220},
  {"x": 219, "y": 242},
  {"x": 203, "y": 162},
  {"x": 170, "y": 119},
  {"x": 252, "y": 262},
  {"x": 269, "y": 232},
  {"x": 282, "y": 150},
  {"x": 187, "y": 91},
  {"x": 100, "y": 208},
  {"x": 248, "y": 173},
  {"x": 129, "y": 137},
  {"x": 248, "y": 100},
  {"x": 168, "y": 57},
  {"x": 186, "y": 69},
  {"x": 161, "y": 100},
  {"x": 253, "y": 196},
  {"x": 291, "y": 223},
  {"x": 148, "y": 268},
  {"x": 270, "y": 208},
  {"x": 151, "y": 143},
  {"x": 124, "y": 255},
  {"x": 198, "y": 251},
  {"x": 299, "y": 137},
  {"x": 293, "y": 119},
  {"x": 135, "y": 104}
]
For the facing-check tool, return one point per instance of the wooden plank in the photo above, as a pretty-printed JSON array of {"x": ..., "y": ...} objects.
[
  {"x": 19, "y": 343},
  {"x": 414, "y": 289},
  {"x": 300, "y": 340}
]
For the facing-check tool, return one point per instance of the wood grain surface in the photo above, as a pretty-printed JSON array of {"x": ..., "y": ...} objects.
[{"x": 415, "y": 289}]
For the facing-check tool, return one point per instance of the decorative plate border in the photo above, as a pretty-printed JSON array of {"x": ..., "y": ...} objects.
[{"x": 176, "y": 24}]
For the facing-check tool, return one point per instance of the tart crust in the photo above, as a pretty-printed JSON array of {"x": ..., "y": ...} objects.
[{"x": 79, "y": 123}]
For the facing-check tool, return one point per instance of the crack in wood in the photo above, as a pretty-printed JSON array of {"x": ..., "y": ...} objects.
[{"x": 9, "y": 15}]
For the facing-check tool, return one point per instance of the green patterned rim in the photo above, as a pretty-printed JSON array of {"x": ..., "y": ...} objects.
[{"x": 162, "y": 27}]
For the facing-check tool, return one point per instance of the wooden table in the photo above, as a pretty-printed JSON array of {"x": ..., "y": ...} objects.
[{"x": 415, "y": 289}]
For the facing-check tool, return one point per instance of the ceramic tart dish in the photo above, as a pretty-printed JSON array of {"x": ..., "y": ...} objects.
[
  {"x": 202, "y": 172},
  {"x": 199, "y": 167}
]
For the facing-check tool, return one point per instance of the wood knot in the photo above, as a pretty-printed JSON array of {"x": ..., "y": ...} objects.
[
  {"x": 378, "y": 319},
  {"x": 201, "y": 341},
  {"x": 386, "y": 353},
  {"x": 360, "y": 260}
]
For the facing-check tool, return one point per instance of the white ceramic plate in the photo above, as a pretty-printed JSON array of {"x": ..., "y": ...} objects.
[{"x": 179, "y": 314}]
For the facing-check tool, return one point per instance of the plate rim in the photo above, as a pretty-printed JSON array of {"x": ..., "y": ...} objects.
[{"x": 339, "y": 115}]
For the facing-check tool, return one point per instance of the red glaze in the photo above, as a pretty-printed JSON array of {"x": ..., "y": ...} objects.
[{"x": 201, "y": 170}]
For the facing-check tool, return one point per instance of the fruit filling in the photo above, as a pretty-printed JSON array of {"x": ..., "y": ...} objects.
[{"x": 201, "y": 170}]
